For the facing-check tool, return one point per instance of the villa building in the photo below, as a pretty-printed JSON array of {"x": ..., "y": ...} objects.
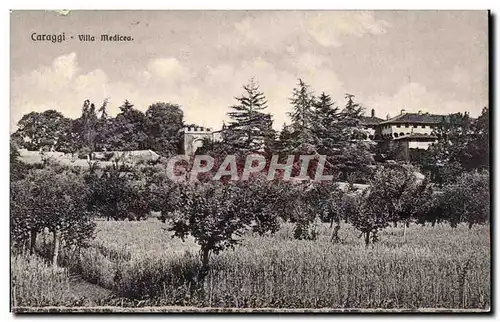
[{"x": 412, "y": 129}]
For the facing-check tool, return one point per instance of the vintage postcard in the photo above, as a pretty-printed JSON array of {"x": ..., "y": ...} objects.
[{"x": 249, "y": 161}]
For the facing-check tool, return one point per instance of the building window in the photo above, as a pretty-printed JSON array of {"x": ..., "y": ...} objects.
[
  {"x": 402, "y": 134},
  {"x": 407, "y": 125},
  {"x": 423, "y": 126},
  {"x": 395, "y": 135},
  {"x": 398, "y": 126}
]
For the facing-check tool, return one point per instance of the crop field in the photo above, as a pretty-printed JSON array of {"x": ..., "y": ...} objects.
[{"x": 429, "y": 267}]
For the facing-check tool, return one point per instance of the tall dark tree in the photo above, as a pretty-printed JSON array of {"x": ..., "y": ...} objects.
[
  {"x": 85, "y": 128},
  {"x": 250, "y": 128},
  {"x": 351, "y": 118},
  {"x": 103, "y": 127},
  {"x": 477, "y": 151},
  {"x": 351, "y": 155},
  {"x": 128, "y": 130},
  {"x": 302, "y": 117},
  {"x": 103, "y": 109},
  {"x": 448, "y": 157},
  {"x": 162, "y": 124},
  {"x": 326, "y": 125}
]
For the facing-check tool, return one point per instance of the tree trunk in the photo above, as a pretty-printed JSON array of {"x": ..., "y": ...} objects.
[
  {"x": 331, "y": 222},
  {"x": 367, "y": 238},
  {"x": 33, "y": 234},
  {"x": 204, "y": 266},
  {"x": 433, "y": 223},
  {"x": 395, "y": 222},
  {"x": 44, "y": 239},
  {"x": 55, "y": 253},
  {"x": 470, "y": 225},
  {"x": 335, "y": 235},
  {"x": 404, "y": 231}
]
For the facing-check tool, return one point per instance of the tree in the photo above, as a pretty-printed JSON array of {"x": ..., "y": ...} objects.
[
  {"x": 302, "y": 117},
  {"x": 162, "y": 124},
  {"x": 351, "y": 118},
  {"x": 250, "y": 129},
  {"x": 48, "y": 130},
  {"x": 103, "y": 128},
  {"x": 260, "y": 200},
  {"x": 18, "y": 169},
  {"x": 351, "y": 155},
  {"x": 284, "y": 142},
  {"x": 85, "y": 128},
  {"x": 118, "y": 194},
  {"x": 103, "y": 110},
  {"x": 211, "y": 213},
  {"x": 477, "y": 150},
  {"x": 326, "y": 200},
  {"x": 453, "y": 136},
  {"x": 389, "y": 198},
  {"x": 327, "y": 124},
  {"x": 467, "y": 200},
  {"x": 54, "y": 199},
  {"x": 364, "y": 217},
  {"x": 127, "y": 131}
]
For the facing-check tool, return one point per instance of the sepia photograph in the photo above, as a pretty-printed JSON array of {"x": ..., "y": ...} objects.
[{"x": 277, "y": 161}]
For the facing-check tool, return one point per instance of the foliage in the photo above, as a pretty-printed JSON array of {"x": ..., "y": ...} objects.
[
  {"x": 302, "y": 117},
  {"x": 53, "y": 199},
  {"x": 250, "y": 129},
  {"x": 394, "y": 195},
  {"x": 85, "y": 128},
  {"x": 163, "y": 122},
  {"x": 326, "y": 124},
  {"x": 325, "y": 199},
  {"x": 127, "y": 131},
  {"x": 216, "y": 215},
  {"x": 259, "y": 201},
  {"x": 462, "y": 145},
  {"x": 118, "y": 193},
  {"x": 467, "y": 200},
  {"x": 44, "y": 131}
]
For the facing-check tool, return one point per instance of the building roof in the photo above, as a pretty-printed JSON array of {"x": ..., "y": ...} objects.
[
  {"x": 425, "y": 118},
  {"x": 370, "y": 120}
]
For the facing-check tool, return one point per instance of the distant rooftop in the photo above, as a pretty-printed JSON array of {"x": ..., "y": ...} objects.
[
  {"x": 421, "y": 118},
  {"x": 370, "y": 120}
]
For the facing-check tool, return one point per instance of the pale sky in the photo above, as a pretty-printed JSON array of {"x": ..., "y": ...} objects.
[{"x": 434, "y": 61}]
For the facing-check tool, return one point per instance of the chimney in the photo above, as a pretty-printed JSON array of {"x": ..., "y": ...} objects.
[
  {"x": 419, "y": 112},
  {"x": 403, "y": 111},
  {"x": 373, "y": 112}
]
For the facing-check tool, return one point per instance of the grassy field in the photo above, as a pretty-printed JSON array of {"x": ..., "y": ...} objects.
[{"x": 432, "y": 267}]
